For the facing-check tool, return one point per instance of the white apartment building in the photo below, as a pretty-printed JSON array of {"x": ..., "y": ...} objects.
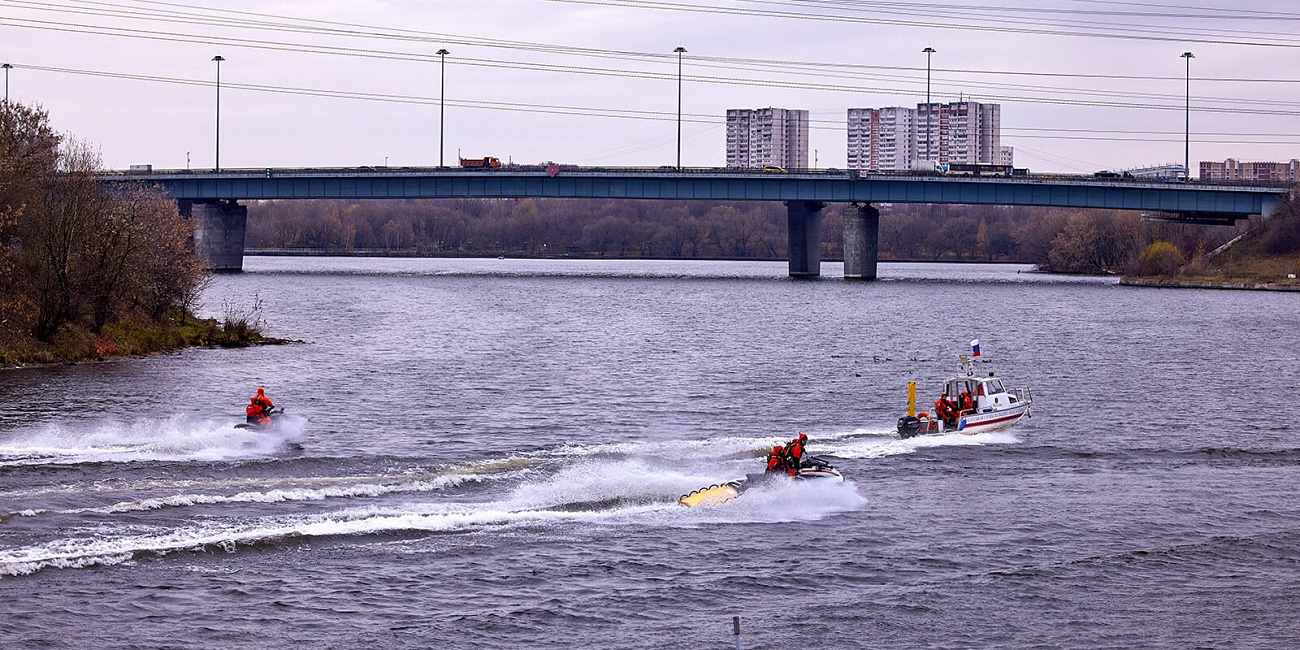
[
  {"x": 882, "y": 138},
  {"x": 767, "y": 136},
  {"x": 1008, "y": 156},
  {"x": 895, "y": 138},
  {"x": 959, "y": 132}
]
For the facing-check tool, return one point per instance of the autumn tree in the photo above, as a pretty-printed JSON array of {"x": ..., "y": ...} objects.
[{"x": 76, "y": 252}]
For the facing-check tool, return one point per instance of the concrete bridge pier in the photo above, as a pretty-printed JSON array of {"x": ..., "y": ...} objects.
[
  {"x": 219, "y": 228},
  {"x": 861, "y": 243},
  {"x": 804, "y": 219}
]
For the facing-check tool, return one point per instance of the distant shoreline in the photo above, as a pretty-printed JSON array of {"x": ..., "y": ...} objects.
[{"x": 304, "y": 252}]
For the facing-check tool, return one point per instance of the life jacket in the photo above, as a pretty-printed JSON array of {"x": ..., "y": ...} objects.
[
  {"x": 795, "y": 452},
  {"x": 942, "y": 409},
  {"x": 966, "y": 403},
  {"x": 252, "y": 411}
]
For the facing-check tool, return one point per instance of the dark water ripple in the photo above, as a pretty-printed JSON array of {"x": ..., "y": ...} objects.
[{"x": 486, "y": 454}]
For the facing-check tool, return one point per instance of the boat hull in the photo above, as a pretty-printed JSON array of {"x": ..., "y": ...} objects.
[{"x": 992, "y": 420}]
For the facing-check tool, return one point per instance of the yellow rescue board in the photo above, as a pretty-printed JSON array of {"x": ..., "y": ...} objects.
[{"x": 712, "y": 495}]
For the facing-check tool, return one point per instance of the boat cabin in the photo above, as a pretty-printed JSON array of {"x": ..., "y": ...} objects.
[{"x": 987, "y": 392}]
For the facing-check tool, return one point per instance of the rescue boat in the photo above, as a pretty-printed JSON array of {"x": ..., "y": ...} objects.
[
  {"x": 813, "y": 468},
  {"x": 969, "y": 404}
]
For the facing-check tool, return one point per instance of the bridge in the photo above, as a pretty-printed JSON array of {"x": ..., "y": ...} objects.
[{"x": 212, "y": 197}]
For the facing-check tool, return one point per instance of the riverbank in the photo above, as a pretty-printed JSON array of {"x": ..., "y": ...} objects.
[
  {"x": 1209, "y": 283},
  {"x": 76, "y": 344}
]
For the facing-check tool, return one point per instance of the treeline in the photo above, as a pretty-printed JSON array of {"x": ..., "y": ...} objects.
[
  {"x": 78, "y": 259},
  {"x": 1062, "y": 240}
]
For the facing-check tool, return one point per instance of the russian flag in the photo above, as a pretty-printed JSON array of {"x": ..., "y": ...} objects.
[{"x": 975, "y": 347}]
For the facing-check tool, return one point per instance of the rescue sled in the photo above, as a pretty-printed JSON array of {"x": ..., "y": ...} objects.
[{"x": 813, "y": 468}]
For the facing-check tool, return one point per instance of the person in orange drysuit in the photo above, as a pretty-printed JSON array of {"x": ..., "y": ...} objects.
[
  {"x": 776, "y": 460},
  {"x": 794, "y": 452},
  {"x": 967, "y": 404},
  {"x": 259, "y": 408},
  {"x": 943, "y": 408}
]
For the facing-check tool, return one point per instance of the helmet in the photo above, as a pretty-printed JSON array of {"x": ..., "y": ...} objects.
[
  {"x": 259, "y": 390},
  {"x": 803, "y": 437},
  {"x": 777, "y": 449}
]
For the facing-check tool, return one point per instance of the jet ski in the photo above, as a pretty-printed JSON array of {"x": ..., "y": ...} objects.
[
  {"x": 263, "y": 423},
  {"x": 813, "y": 468}
]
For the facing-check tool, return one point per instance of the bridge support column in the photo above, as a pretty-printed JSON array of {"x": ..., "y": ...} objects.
[
  {"x": 804, "y": 219},
  {"x": 861, "y": 243},
  {"x": 219, "y": 228}
]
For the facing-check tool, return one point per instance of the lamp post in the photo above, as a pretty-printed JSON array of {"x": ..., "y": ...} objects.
[
  {"x": 442, "y": 103},
  {"x": 680, "y": 51},
  {"x": 6, "y": 67},
  {"x": 218, "y": 58},
  {"x": 1187, "y": 141},
  {"x": 929, "y": 110}
]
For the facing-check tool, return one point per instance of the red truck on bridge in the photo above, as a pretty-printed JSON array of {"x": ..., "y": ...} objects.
[{"x": 480, "y": 163}]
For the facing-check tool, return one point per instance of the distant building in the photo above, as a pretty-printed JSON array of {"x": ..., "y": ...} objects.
[
  {"x": 898, "y": 138},
  {"x": 1159, "y": 172},
  {"x": 882, "y": 138},
  {"x": 1263, "y": 172},
  {"x": 959, "y": 132},
  {"x": 767, "y": 136},
  {"x": 1007, "y": 155}
]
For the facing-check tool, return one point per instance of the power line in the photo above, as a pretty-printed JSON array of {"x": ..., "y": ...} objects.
[
  {"x": 629, "y": 74},
  {"x": 605, "y": 112},
  {"x": 370, "y": 31},
  {"x": 1158, "y": 33}
]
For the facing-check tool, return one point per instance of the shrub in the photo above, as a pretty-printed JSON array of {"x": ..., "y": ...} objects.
[{"x": 1160, "y": 258}]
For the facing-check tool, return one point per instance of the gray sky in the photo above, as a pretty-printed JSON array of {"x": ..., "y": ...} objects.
[{"x": 138, "y": 121}]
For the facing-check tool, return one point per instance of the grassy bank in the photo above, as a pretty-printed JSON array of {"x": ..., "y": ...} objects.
[
  {"x": 1264, "y": 258},
  {"x": 129, "y": 338}
]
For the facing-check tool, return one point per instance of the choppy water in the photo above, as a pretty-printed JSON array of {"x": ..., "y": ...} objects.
[{"x": 487, "y": 453}]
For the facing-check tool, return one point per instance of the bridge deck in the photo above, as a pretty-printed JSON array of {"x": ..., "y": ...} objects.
[{"x": 712, "y": 184}]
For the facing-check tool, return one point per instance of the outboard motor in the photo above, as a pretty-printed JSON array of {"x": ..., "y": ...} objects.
[{"x": 908, "y": 427}]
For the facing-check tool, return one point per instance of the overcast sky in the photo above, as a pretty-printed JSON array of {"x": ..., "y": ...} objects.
[{"x": 517, "y": 102}]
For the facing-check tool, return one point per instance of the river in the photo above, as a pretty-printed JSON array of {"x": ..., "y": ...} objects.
[{"x": 487, "y": 454}]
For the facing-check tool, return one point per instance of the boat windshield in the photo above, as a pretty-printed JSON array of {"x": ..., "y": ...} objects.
[
  {"x": 958, "y": 386},
  {"x": 993, "y": 386}
]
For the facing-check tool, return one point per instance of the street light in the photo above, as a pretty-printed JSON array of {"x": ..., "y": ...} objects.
[
  {"x": 929, "y": 110},
  {"x": 1187, "y": 141},
  {"x": 218, "y": 58},
  {"x": 442, "y": 103},
  {"x": 680, "y": 51},
  {"x": 7, "y": 68}
]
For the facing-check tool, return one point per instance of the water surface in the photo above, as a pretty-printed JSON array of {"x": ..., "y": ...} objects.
[{"x": 487, "y": 453}]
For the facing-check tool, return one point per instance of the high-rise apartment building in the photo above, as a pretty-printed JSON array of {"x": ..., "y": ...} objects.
[
  {"x": 900, "y": 138},
  {"x": 882, "y": 138},
  {"x": 959, "y": 132},
  {"x": 1265, "y": 172},
  {"x": 767, "y": 136}
]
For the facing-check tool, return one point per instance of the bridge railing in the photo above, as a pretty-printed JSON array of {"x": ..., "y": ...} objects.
[{"x": 668, "y": 170}]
